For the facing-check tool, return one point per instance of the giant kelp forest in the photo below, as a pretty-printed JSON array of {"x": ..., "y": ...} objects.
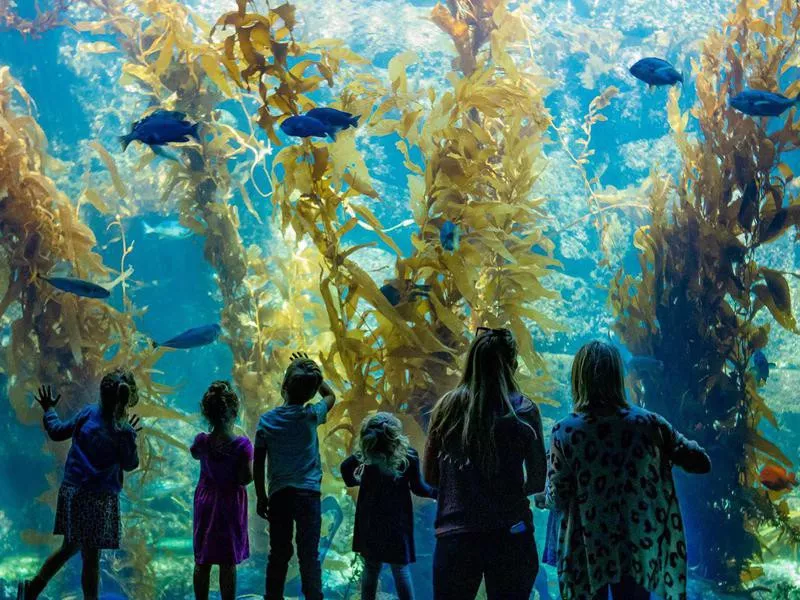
[
  {"x": 704, "y": 302},
  {"x": 473, "y": 150}
]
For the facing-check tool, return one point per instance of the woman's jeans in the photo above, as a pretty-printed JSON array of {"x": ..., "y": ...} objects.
[
  {"x": 372, "y": 573},
  {"x": 507, "y": 561},
  {"x": 627, "y": 589}
]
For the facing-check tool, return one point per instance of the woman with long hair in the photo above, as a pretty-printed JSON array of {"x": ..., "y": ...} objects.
[
  {"x": 610, "y": 475},
  {"x": 485, "y": 453}
]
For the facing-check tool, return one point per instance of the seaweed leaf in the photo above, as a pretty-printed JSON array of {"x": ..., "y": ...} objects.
[{"x": 111, "y": 165}]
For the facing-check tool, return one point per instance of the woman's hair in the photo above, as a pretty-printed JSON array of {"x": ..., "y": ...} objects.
[
  {"x": 463, "y": 420},
  {"x": 220, "y": 404},
  {"x": 598, "y": 379},
  {"x": 382, "y": 443},
  {"x": 118, "y": 391},
  {"x": 301, "y": 381}
]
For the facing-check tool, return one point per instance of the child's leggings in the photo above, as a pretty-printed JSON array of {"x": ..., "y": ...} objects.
[{"x": 372, "y": 573}]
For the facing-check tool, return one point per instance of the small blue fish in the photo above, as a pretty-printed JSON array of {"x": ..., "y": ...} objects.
[
  {"x": 337, "y": 119},
  {"x": 409, "y": 291},
  {"x": 761, "y": 366},
  {"x": 304, "y": 126},
  {"x": 161, "y": 127},
  {"x": 79, "y": 287},
  {"x": 392, "y": 294},
  {"x": 758, "y": 103},
  {"x": 655, "y": 71},
  {"x": 449, "y": 236},
  {"x": 193, "y": 338}
]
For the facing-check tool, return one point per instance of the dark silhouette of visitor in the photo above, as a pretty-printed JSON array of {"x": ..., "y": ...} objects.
[
  {"x": 610, "y": 476},
  {"x": 485, "y": 453},
  {"x": 387, "y": 469},
  {"x": 220, "y": 499},
  {"x": 87, "y": 513},
  {"x": 287, "y": 451}
]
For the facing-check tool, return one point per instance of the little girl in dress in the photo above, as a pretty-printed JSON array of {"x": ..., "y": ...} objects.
[{"x": 220, "y": 500}]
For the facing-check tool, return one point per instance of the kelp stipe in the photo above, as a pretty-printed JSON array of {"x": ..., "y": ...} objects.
[
  {"x": 57, "y": 338},
  {"x": 481, "y": 152},
  {"x": 377, "y": 348},
  {"x": 703, "y": 302}
]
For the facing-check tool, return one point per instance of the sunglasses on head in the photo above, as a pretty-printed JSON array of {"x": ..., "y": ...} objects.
[{"x": 484, "y": 330}]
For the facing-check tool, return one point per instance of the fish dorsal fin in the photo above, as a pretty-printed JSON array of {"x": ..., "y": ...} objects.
[{"x": 169, "y": 114}]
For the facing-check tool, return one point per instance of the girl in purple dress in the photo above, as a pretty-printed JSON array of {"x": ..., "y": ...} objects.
[{"x": 220, "y": 500}]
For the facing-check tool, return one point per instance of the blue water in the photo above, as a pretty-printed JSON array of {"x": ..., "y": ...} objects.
[{"x": 177, "y": 284}]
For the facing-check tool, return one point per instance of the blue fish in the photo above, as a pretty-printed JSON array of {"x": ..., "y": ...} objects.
[
  {"x": 161, "y": 127},
  {"x": 79, "y": 287},
  {"x": 449, "y": 236},
  {"x": 410, "y": 291},
  {"x": 337, "y": 119},
  {"x": 758, "y": 103},
  {"x": 761, "y": 366},
  {"x": 304, "y": 126},
  {"x": 193, "y": 338},
  {"x": 392, "y": 294},
  {"x": 655, "y": 71}
]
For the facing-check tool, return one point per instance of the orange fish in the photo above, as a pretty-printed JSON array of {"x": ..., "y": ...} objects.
[{"x": 777, "y": 478}]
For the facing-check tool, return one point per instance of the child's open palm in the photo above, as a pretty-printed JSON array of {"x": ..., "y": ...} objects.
[
  {"x": 45, "y": 398},
  {"x": 302, "y": 358},
  {"x": 135, "y": 422}
]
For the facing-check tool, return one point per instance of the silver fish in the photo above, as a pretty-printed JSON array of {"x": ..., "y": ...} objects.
[{"x": 168, "y": 230}]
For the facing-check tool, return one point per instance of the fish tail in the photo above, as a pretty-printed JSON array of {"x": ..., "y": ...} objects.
[
  {"x": 680, "y": 76},
  {"x": 332, "y": 134},
  {"x": 354, "y": 121},
  {"x": 195, "y": 131},
  {"x": 125, "y": 140}
]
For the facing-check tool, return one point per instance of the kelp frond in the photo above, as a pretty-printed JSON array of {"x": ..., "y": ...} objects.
[{"x": 702, "y": 301}]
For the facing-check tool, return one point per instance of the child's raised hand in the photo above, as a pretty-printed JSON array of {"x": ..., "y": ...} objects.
[
  {"x": 135, "y": 423},
  {"x": 45, "y": 398},
  {"x": 309, "y": 363}
]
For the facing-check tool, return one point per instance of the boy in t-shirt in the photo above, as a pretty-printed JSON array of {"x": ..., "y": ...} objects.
[{"x": 287, "y": 444}]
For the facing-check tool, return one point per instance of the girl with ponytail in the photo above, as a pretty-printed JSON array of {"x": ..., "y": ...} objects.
[
  {"x": 485, "y": 453},
  {"x": 103, "y": 447},
  {"x": 388, "y": 471}
]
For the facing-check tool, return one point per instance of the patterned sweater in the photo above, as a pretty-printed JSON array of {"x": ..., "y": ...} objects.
[{"x": 611, "y": 476}]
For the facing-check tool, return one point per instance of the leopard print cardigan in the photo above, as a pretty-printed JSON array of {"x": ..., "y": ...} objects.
[{"x": 611, "y": 476}]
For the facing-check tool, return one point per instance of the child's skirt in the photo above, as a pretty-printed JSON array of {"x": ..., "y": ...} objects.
[{"x": 88, "y": 518}]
